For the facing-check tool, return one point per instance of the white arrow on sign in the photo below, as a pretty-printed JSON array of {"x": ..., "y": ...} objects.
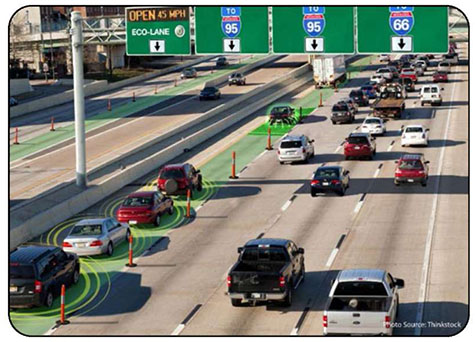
[
  {"x": 232, "y": 45},
  {"x": 401, "y": 44},
  {"x": 156, "y": 46},
  {"x": 314, "y": 45}
]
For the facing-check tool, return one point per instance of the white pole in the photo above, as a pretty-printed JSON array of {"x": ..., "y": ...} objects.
[{"x": 79, "y": 117}]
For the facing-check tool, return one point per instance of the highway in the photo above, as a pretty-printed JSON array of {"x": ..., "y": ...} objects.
[
  {"x": 127, "y": 134},
  {"x": 418, "y": 234}
]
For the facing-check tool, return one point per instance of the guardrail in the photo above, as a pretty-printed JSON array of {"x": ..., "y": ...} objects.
[{"x": 69, "y": 207}]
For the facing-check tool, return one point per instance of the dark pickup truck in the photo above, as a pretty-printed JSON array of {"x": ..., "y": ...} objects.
[{"x": 267, "y": 270}]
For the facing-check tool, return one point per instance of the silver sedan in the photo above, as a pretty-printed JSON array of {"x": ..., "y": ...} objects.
[{"x": 96, "y": 236}]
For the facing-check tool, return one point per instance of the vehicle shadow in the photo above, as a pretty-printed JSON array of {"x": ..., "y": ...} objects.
[
  {"x": 313, "y": 119},
  {"x": 236, "y": 190},
  {"x": 434, "y": 143}
]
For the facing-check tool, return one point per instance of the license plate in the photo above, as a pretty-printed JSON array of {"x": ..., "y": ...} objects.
[
  {"x": 325, "y": 183},
  {"x": 258, "y": 295},
  {"x": 13, "y": 289},
  {"x": 410, "y": 180},
  {"x": 132, "y": 222},
  {"x": 357, "y": 147},
  {"x": 290, "y": 152},
  {"x": 81, "y": 245}
]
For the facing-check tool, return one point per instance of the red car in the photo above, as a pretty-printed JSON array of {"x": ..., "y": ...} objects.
[
  {"x": 359, "y": 145},
  {"x": 411, "y": 168},
  {"x": 145, "y": 207},
  {"x": 408, "y": 73},
  {"x": 176, "y": 179},
  {"x": 440, "y": 76}
]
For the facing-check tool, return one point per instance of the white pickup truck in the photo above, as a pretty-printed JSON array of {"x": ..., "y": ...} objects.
[{"x": 362, "y": 302}]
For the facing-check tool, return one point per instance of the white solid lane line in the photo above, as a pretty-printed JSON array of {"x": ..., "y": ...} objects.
[
  {"x": 332, "y": 257},
  {"x": 430, "y": 233},
  {"x": 358, "y": 206}
]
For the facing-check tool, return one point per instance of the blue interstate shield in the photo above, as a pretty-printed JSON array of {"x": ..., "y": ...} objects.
[
  {"x": 401, "y": 22},
  {"x": 313, "y": 24},
  {"x": 231, "y": 26}
]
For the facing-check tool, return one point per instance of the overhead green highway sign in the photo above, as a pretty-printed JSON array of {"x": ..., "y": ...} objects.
[
  {"x": 231, "y": 29},
  {"x": 157, "y": 31},
  {"x": 403, "y": 29},
  {"x": 313, "y": 29}
]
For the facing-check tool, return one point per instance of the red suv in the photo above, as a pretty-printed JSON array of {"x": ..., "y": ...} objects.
[
  {"x": 359, "y": 145},
  {"x": 411, "y": 168},
  {"x": 176, "y": 179},
  {"x": 144, "y": 207}
]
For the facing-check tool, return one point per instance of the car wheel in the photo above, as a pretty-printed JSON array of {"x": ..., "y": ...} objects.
[
  {"x": 288, "y": 299},
  {"x": 127, "y": 235},
  {"x": 281, "y": 163},
  {"x": 396, "y": 183},
  {"x": 199, "y": 187},
  {"x": 333, "y": 122},
  {"x": 49, "y": 299},
  {"x": 171, "y": 210},
  {"x": 313, "y": 194},
  {"x": 75, "y": 276},
  {"x": 157, "y": 220},
  {"x": 236, "y": 302},
  {"x": 110, "y": 249}
]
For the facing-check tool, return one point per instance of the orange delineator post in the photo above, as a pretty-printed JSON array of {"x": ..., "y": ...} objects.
[
  {"x": 133, "y": 96},
  {"x": 321, "y": 100},
  {"x": 15, "y": 141},
  {"x": 269, "y": 144},
  {"x": 62, "y": 317},
  {"x": 109, "y": 105},
  {"x": 188, "y": 203},
  {"x": 131, "y": 253},
  {"x": 176, "y": 82},
  {"x": 156, "y": 90},
  {"x": 233, "y": 166},
  {"x": 52, "y": 124}
]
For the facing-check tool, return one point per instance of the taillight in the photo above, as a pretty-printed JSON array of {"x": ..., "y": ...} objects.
[
  {"x": 404, "y": 136},
  {"x": 421, "y": 172},
  {"x": 281, "y": 281},
  {"x": 38, "y": 286},
  {"x": 278, "y": 151},
  {"x": 335, "y": 182},
  {"x": 96, "y": 243},
  {"x": 398, "y": 173},
  {"x": 315, "y": 182},
  {"x": 304, "y": 150},
  {"x": 325, "y": 321},
  {"x": 229, "y": 280},
  {"x": 423, "y": 135},
  {"x": 387, "y": 322},
  {"x": 67, "y": 244}
]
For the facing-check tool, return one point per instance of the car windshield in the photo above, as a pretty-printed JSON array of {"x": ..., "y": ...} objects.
[
  {"x": 444, "y": 64},
  {"x": 342, "y": 107},
  {"x": 171, "y": 174},
  {"x": 355, "y": 93},
  {"x": 137, "y": 201},
  {"x": 360, "y": 288},
  {"x": 441, "y": 73},
  {"x": 407, "y": 71},
  {"x": 410, "y": 165},
  {"x": 357, "y": 140},
  {"x": 280, "y": 110},
  {"x": 414, "y": 130},
  {"x": 86, "y": 229},
  {"x": 291, "y": 144},
  {"x": 372, "y": 121},
  {"x": 209, "y": 89},
  {"x": 330, "y": 173},
  {"x": 188, "y": 70},
  {"x": 264, "y": 254},
  {"x": 21, "y": 271}
]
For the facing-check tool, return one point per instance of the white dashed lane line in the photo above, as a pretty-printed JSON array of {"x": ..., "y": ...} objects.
[{"x": 288, "y": 203}]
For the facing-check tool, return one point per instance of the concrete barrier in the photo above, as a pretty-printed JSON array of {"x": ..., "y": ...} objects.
[
  {"x": 42, "y": 222},
  {"x": 19, "y": 86},
  {"x": 95, "y": 88}
]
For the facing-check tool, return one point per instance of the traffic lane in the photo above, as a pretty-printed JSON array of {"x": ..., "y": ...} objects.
[
  {"x": 99, "y": 146},
  {"x": 400, "y": 228}
]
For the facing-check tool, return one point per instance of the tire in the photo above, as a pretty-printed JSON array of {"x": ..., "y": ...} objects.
[
  {"x": 171, "y": 186},
  {"x": 75, "y": 277},
  {"x": 313, "y": 194},
  {"x": 110, "y": 249},
  {"x": 341, "y": 192},
  {"x": 346, "y": 157},
  {"x": 49, "y": 298},
  {"x": 281, "y": 163},
  {"x": 156, "y": 223},
  {"x": 333, "y": 122},
  {"x": 288, "y": 299},
  {"x": 236, "y": 302},
  {"x": 396, "y": 183},
  {"x": 127, "y": 235},
  {"x": 199, "y": 187},
  {"x": 171, "y": 210},
  {"x": 424, "y": 184}
]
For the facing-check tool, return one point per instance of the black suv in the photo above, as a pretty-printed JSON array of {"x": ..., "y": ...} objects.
[
  {"x": 37, "y": 272},
  {"x": 359, "y": 97}
]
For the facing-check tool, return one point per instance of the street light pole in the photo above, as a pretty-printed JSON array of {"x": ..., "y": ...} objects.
[{"x": 79, "y": 116}]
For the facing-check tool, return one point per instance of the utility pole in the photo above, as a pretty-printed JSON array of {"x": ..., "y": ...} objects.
[
  {"x": 48, "y": 17},
  {"x": 79, "y": 117}
]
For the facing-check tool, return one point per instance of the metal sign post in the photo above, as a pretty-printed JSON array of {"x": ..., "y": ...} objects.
[{"x": 79, "y": 117}]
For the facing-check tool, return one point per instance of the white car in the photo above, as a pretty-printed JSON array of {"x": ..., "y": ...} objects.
[
  {"x": 415, "y": 135},
  {"x": 373, "y": 125},
  {"x": 378, "y": 79},
  {"x": 418, "y": 67},
  {"x": 422, "y": 62},
  {"x": 431, "y": 94},
  {"x": 444, "y": 66},
  {"x": 386, "y": 73},
  {"x": 295, "y": 148},
  {"x": 384, "y": 58}
]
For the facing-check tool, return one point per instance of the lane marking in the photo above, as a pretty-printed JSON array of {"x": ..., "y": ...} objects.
[
  {"x": 338, "y": 149},
  {"x": 288, "y": 203},
  {"x": 295, "y": 330},
  {"x": 332, "y": 257},
  {"x": 430, "y": 233},
  {"x": 433, "y": 114},
  {"x": 378, "y": 170},
  {"x": 260, "y": 236},
  {"x": 390, "y": 147},
  {"x": 340, "y": 241},
  {"x": 188, "y": 318}
]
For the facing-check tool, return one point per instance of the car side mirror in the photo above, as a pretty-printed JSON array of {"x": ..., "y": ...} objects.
[
  {"x": 239, "y": 250},
  {"x": 300, "y": 251},
  {"x": 442, "y": 88},
  {"x": 395, "y": 162},
  {"x": 347, "y": 172},
  {"x": 198, "y": 171},
  {"x": 427, "y": 129},
  {"x": 426, "y": 162},
  {"x": 312, "y": 141},
  {"x": 399, "y": 283}
]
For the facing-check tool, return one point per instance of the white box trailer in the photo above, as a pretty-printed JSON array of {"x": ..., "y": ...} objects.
[{"x": 327, "y": 70}]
